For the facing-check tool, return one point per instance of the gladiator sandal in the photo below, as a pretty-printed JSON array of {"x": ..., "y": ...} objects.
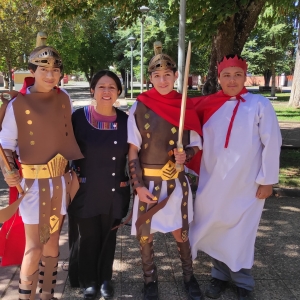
[
  {"x": 47, "y": 277},
  {"x": 150, "y": 273},
  {"x": 190, "y": 283},
  {"x": 27, "y": 291}
]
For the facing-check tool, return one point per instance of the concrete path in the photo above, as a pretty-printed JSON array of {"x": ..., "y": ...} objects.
[{"x": 276, "y": 267}]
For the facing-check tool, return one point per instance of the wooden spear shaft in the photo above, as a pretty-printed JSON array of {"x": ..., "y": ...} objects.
[{"x": 179, "y": 167}]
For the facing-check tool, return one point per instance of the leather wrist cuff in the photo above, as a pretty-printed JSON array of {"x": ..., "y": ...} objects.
[
  {"x": 136, "y": 173},
  {"x": 190, "y": 152},
  {"x": 11, "y": 161}
]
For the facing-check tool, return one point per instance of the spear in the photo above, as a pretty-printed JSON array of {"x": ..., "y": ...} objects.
[{"x": 179, "y": 167}]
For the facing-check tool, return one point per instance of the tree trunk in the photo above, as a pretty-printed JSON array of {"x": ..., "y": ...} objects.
[
  {"x": 295, "y": 91},
  {"x": 10, "y": 80},
  {"x": 267, "y": 77},
  {"x": 123, "y": 74},
  {"x": 231, "y": 38},
  {"x": 273, "y": 86}
]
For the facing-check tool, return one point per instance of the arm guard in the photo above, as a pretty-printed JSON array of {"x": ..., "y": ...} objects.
[{"x": 136, "y": 173}]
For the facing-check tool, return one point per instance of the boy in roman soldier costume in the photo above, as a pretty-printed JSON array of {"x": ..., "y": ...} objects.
[
  {"x": 37, "y": 125},
  {"x": 163, "y": 200},
  {"x": 240, "y": 162}
]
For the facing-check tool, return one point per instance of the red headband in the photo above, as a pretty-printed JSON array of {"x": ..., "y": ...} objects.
[{"x": 232, "y": 62}]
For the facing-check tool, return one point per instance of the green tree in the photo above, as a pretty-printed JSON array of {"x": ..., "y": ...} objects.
[
  {"x": 20, "y": 22},
  {"x": 86, "y": 44},
  {"x": 268, "y": 50},
  {"x": 224, "y": 25}
]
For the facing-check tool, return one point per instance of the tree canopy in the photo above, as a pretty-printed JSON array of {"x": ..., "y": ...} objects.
[{"x": 19, "y": 23}]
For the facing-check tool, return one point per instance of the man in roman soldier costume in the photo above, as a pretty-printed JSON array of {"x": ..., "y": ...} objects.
[
  {"x": 240, "y": 162},
  {"x": 37, "y": 125},
  {"x": 163, "y": 200}
]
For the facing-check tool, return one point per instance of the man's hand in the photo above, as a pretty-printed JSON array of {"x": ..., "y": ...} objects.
[
  {"x": 12, "y": 179},
  {"x": 180, "y": 157},
  {"x": 264, "y": 191},
  {"x": 145, "y": 195}
]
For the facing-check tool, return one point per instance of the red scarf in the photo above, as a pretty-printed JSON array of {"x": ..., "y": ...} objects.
[
  {"x": 205, "y": 107},
  {"x": 168, "y": 107}
]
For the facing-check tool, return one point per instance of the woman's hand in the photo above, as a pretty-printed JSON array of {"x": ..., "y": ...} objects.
[
  {"x": 12, "y": 179},
  {"x": 264, "y": 191},
  {"x": 180, "y": 157},
  {"x": 145, "y": 195}
]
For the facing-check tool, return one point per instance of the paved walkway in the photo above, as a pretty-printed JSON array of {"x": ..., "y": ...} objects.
[{"x": 276, "y": 267}]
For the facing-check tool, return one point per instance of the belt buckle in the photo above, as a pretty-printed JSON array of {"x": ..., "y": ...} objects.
[
  {"x": 57, "y": 165},
  {"x": 168, "y": 171}
]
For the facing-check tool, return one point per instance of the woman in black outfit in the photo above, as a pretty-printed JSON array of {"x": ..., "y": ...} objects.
[{"x": 103, "y": 197}]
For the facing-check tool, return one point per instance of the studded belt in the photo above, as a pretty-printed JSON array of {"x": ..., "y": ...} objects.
[
  {"x": 54, "y": 168},
  {"x": 167, "y": 172}
]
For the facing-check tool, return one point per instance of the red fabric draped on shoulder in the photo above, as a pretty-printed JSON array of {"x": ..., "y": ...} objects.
[
  {"x": 205, "y": 107},
  {"x": 168, "y": 107}
]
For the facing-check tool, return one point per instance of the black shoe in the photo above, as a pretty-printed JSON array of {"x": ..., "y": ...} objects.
[
  {"x": 193, "y": 290},
  {"x": 243, "y": 294},
  {"x": 107, "y": 290},
  {"x": 90, "y": 293},
  {"x": 215, "y": 288},
  {"x": 151, "y": 291}
]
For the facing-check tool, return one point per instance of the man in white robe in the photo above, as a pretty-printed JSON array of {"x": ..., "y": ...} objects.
[{"x": 239, "y": 165}]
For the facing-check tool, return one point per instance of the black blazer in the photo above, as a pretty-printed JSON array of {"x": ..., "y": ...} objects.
[{"x": 102, "y": 168}]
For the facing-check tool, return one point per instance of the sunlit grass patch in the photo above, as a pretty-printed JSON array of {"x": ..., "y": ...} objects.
[{"x": 289, "y": 175}]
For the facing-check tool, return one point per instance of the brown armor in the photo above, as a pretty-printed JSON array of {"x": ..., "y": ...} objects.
[
  {"x": 156, "y": 157},
  {"x": 44, "y": 127},
  {"x": 46, "y": 142}
]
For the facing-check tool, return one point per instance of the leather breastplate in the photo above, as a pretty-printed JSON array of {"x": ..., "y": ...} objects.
[
  {"x": 45, "y": 127},
  {"x": 158, "y": 136}
]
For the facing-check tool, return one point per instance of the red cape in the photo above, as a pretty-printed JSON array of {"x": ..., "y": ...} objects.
[
  {"x": 168, "y": 107},
  {"x": 205, "y": 107},
  {"x": 12, "y": 236}
]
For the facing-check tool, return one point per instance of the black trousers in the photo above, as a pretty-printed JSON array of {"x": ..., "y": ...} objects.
[{"x": 92, "y": 253}]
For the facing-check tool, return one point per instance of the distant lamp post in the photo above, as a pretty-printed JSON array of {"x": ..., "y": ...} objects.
[
  {"x": 131, "y": 42},
  {"x": 143, "y": 9}
]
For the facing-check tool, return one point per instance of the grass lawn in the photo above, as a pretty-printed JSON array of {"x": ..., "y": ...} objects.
[
  {"x": 287, "y": 113},
  {"x": 289, "y": 175}
]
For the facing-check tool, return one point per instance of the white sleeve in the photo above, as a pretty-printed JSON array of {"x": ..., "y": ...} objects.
[
  {"x": 9, "y": 132},
  {"x": 134, "y": 136},
  {"x": 271, "y": 140},
  {"x": 195, "y": 140}
]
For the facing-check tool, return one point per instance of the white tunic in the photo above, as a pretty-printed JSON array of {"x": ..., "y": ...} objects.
[
  {"x": 226, "y": 211},
  {"x": 29, "y": 207},
  {"x": 169, "y": 217}
]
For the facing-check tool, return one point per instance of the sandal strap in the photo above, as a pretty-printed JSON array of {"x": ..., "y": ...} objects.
[{"x": 27, "y": 291}]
